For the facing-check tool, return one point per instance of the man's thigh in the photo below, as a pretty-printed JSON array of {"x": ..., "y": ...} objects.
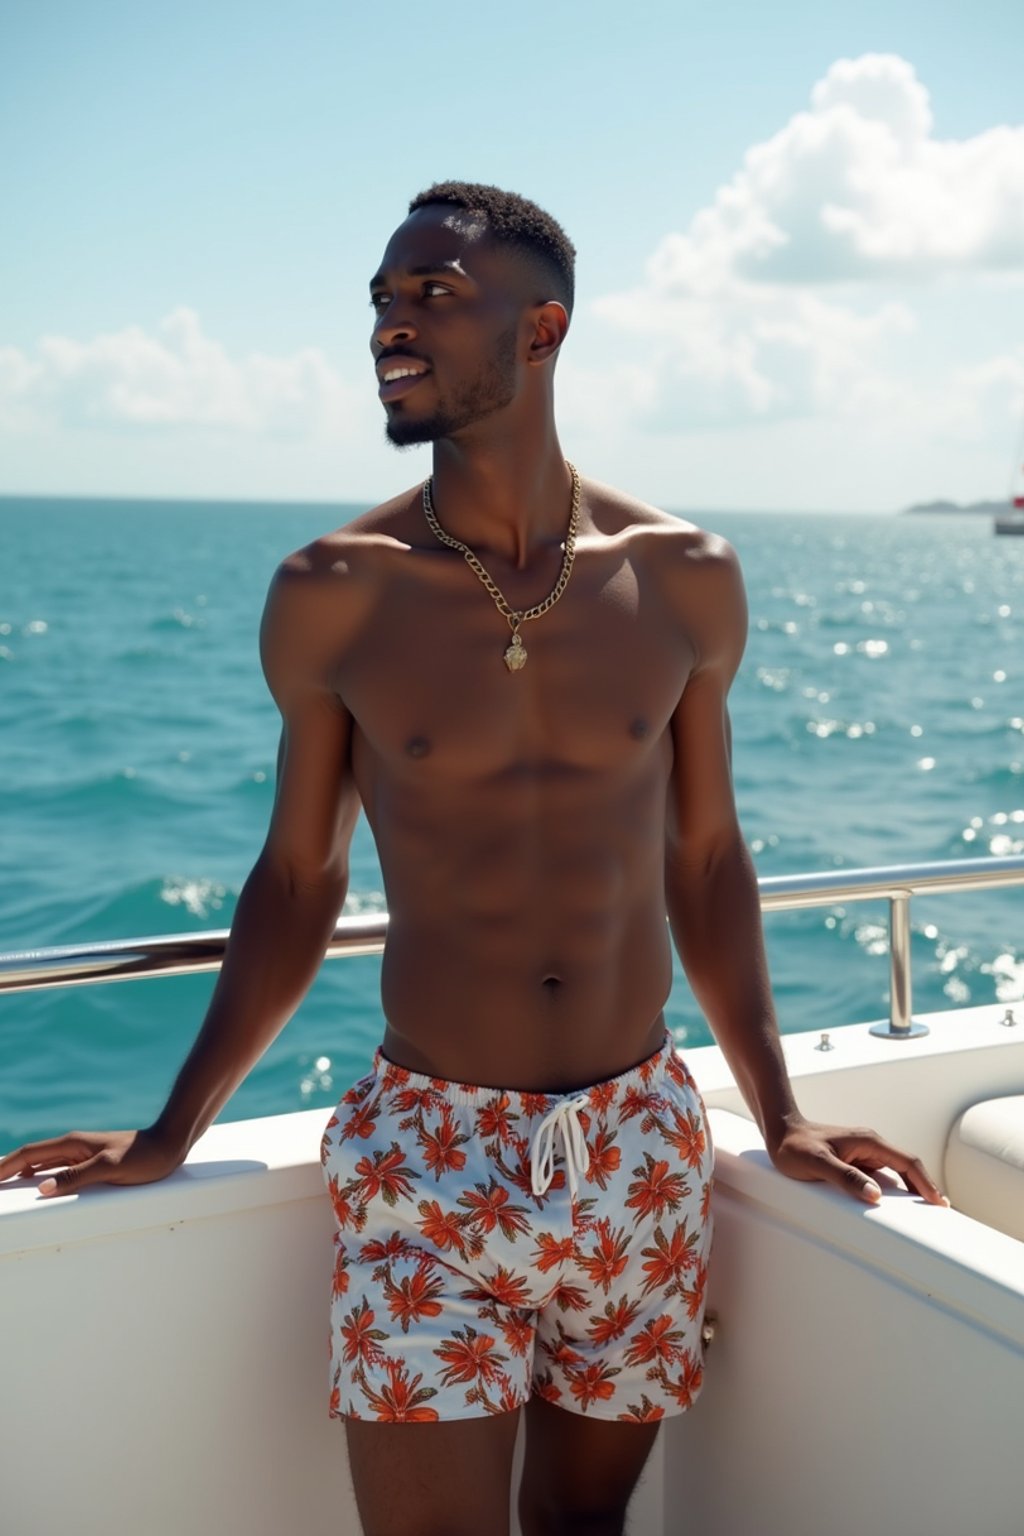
[
  {"x": 433, "y": 1479},
  {"x": 579, "y": 1473}
]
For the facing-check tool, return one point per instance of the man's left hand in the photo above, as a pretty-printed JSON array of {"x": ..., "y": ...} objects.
[{"x": 847, "y": 1159}]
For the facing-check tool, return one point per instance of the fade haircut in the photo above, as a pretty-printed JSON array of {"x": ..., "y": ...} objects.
[{"x": 515, "y": 222}]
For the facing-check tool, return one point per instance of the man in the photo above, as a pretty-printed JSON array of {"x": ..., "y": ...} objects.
[{"x": 522, "y": 678}]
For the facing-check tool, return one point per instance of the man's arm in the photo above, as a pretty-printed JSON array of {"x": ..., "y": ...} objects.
[
  {"x": 712, "y": 897},
  {"x": 286, "y": 911}
]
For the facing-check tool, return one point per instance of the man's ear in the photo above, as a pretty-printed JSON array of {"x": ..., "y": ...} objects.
[{"x": 550, "y": 323}]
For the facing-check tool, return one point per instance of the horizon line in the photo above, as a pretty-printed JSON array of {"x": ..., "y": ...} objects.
[{"x": 306, "y": 501}]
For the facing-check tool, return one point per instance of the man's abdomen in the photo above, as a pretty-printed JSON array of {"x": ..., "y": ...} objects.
[{"x": 527, "y": 942}]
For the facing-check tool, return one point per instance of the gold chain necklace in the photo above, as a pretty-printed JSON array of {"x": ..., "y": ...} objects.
[{"x": 515, "y": 653}]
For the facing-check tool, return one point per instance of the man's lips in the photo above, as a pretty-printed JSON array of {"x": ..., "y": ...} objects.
[{"x": 398, "y": 375}]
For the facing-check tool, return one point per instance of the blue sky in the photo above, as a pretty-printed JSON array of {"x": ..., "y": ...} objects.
[{"x": 800, "y": 233}]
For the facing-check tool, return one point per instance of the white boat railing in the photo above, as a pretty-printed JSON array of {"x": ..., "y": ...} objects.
[{"x": 182, "y": 954}]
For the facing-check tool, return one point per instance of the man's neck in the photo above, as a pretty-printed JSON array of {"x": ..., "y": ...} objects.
[{"x": 506, "y": 496}]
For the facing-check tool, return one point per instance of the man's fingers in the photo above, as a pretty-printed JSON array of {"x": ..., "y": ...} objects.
[
  {"x": 912, "y": 1171},
  {"x": 77, "y": 1160},
  {"x": 58, "y": 1152},
  {"x": 852, "y": 1180},
  {"x": 90, "y": 1157},
  {"x": 71, "y": 1179},
  {"x": 915, "y": 1176},
  {"x": 39, "y": 1162}
]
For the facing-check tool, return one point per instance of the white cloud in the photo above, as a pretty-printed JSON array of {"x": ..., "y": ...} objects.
[
  {"x": 757, "y": 355},
  {"x": 857, "y": 188},
  {"x": 176, "y": 378},
  {"x": 788, "y": 295}
]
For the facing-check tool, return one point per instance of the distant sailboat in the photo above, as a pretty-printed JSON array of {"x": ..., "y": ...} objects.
[{"x": 1012, "y": 521}]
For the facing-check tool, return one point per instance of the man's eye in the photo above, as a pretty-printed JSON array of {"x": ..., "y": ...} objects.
[{"x": 380, "y": 301}]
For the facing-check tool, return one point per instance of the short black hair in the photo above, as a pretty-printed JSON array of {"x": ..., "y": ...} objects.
[{"x": 514, "y": 221}]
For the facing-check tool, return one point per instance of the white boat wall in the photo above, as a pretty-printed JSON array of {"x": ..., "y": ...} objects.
[
  {"x": 164, "y": 1348},
  {"x": 165, "y": 1357}
]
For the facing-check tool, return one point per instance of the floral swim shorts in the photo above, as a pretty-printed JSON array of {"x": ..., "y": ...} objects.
[{"x": 495, "y": 1243}]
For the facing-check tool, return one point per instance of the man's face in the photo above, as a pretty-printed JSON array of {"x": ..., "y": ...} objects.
[{"x": 448, "y": 307}]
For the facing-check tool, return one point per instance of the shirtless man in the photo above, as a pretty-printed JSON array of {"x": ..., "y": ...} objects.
[{"x": 521, "y": 1183}]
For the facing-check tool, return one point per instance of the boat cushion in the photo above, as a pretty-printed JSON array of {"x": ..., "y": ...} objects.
[{"x": 985, "y": 1164}]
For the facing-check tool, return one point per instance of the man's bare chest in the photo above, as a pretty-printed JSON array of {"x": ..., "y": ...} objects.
[{"x": 426, "y": 681}]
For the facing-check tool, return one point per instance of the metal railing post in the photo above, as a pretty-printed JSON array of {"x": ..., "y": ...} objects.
[{"x": 901, "y": 1025}]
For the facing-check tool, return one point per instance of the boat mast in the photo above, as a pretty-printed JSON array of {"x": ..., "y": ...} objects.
[
  {"x": 1012, "y": 521},
  {"x": 1016, "y": 496}
]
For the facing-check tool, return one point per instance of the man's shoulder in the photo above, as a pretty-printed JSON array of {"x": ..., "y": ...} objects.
[
  {"x": 354, "y": 550},
  {"x": 677, "y": 539},
  {"x": 322, "y": 593},
  {"x": 696, "y": 570}
]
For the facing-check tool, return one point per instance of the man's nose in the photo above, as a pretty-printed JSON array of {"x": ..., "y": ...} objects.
[{"x": 393, "y": 324}]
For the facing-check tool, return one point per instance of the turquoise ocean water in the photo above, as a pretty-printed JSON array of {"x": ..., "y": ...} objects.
[{"x": 878, "y": 718}]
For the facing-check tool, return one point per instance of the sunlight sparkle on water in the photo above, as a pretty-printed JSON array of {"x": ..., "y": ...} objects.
[
  {"x": 1000, "y": 844},
  {"x": 873, "y": 938},
  {"x": 1008, "y": 974},
  {"x": 319, "y": 1077},
  {"x": 776, "y": 680},
  {"x": 200, "y": 897}
]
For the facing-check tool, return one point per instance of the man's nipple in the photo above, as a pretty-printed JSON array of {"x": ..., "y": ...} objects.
[{"x": 418, "y": 746}]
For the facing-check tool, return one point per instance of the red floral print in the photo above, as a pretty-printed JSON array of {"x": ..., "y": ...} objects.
[
  {"x": 441, "y": 1148},
  {"x": 469, "y": 1355},
  {"x": 656, "y": 1189},
  {"x": 457, "y": 1291},
  {"x": 614, "y": 1321},
  {"x": 413, "y": 1298},
  {"x": 401, "y": 1401}
]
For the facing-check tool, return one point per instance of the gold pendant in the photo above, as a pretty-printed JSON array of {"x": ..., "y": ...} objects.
[{"x": 515, "y": 656}]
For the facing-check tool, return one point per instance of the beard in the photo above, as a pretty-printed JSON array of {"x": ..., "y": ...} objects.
[{"x": 491, "y": 390}]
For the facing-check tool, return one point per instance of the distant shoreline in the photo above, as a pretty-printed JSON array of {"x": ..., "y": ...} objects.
[{"x": 989, "y": 508}]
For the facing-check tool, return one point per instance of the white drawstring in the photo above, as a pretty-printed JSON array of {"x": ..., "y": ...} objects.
[{"x": 577, "y": 1159}]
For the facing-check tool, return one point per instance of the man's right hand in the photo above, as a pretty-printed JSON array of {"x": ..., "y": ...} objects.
[{"x": 93, "y": 1157}]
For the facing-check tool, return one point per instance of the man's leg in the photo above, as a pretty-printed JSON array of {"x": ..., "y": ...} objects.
[
  {"x": 445, "y": 1479},
  {"x": 579, "y": 1473}
]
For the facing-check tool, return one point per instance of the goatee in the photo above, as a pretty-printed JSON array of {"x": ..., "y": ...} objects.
[{"x": 493, "y": 388}]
